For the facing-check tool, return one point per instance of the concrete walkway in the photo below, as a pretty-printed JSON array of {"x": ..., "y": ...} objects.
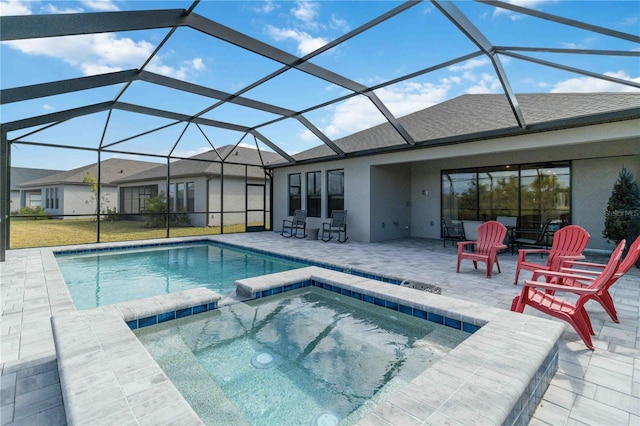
[{"x": 596, "y": 388}]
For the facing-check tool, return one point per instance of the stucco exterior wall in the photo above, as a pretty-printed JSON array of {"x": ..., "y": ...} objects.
[
  {"x": 373, "y": 192},
  {"x": 390, "y": 202},
  {"x": 357, "y": 195},
  {"x": 593, "y": 181},
  {"x": 78, "y": 199}
]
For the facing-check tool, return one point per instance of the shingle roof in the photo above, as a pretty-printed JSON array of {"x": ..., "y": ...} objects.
[
  {"x": 232, "y": 156},
  {"x": 20, "y": 175},
  {"x": 110, "y": 170},
  {"x": 476, "y": 113}
]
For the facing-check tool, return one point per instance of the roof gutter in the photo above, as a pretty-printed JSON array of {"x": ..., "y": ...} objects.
[{"x": 547, "y": 126}]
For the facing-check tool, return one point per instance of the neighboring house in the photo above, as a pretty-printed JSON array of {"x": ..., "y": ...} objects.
[
  {"x": 65, "y": 193},
  {"x": 471, "y": 160},
  {"x": 197, "y": 184},
  {"x": 20, "y": 198}
]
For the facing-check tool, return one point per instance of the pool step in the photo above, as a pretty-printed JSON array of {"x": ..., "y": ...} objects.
[{"x": 106, "y": 374}]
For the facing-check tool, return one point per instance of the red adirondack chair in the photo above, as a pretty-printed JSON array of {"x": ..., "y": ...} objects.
[
  {"x": 490, "y": 241},
  {"x": 602, "y": 296},
  {"x": 568, "y": 242},
  {"x": 574, "y": 313}
]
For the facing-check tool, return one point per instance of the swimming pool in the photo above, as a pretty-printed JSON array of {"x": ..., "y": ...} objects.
[
  {"x": 105, "y": 277},
  {"x": 305, "y": 357}
]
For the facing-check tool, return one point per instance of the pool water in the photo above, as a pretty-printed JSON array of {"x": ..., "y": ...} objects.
[
  {"x": 103, "y": 278},
  {"x": 304, "y": 357}
]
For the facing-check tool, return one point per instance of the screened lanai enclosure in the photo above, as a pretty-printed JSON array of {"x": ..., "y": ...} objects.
[{"x": 143, "y": 119}]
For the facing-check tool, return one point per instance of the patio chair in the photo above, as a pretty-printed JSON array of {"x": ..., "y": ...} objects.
[
  {"x": 568, "y": 244},
  {"x": 532, "y": 238},
  {"x": 602, "y": 296},
  {"x": 337, "y": 225},
  {"x": 511, "y": 223},
  {"x": 490, "y": 241},
  {"x": 450, "y": 232},
  {"x": 295, "y": 224},
  {"x": 470, "y": 229},
  {"x": 537, "y": 295}
]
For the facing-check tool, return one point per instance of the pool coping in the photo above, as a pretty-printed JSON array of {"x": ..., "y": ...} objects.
[{"x": 106, "y": 374}]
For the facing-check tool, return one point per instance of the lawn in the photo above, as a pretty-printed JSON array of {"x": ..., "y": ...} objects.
[{"x": 53, "y": 232}]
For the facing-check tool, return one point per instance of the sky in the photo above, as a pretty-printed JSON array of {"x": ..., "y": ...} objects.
[{"x": 415, "y": 39}]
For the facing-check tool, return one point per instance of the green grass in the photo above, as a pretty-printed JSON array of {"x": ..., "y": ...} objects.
[{"x": 46, "y": 233}]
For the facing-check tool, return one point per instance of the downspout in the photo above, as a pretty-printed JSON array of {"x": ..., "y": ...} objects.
[
  {"x": 168, "y": 214},
  {"x": 221, "y": 198},
  {"x": 5, "y": 193},
  {"x": 98, "y": 197},
  {"x": 208, "y": 184}
]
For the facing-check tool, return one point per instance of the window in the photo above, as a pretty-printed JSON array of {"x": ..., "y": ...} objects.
[
  {"x": 335, "y": 190},
  {"x": 544, "y": 194},
  {"x": 51, "y": 198},
  {"x": 133, "y": 199},
  {"x": 180, "y": 198},
  {"x": 295, "y": 196},
  {"x": 171, "y": 202},
  {"x": 35, "y": 199},
  {"x": 535, "y": 193},
  {"x": 191, "y": 197},
  {"x": 314, "y": 194}
]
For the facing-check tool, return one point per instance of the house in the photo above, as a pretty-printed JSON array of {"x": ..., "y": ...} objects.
[
  {"x": 19, "y": 198},
  {"x": 65, "y": 194},
  {"x": 196, "y": 186},
  {"x": 471, "y": 160}
]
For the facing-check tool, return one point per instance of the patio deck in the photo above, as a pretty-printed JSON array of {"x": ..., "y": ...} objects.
[{"x": 600, "y": 387}]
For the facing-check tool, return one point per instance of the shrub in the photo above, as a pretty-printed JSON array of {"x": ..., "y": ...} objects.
[
  {"x": 156, "y": 214},
  {"x": 110, "y": 214},
  {"x": 33, "y": 211},
  {"x": 623, "y": 206}
]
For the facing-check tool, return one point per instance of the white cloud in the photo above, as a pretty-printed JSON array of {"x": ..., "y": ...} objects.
[
  {"x": 14, "y": 8},
  {"x": 307, "y": 12},
  {"x": 24, "y": 7},
  {"x": 100, "y": 53},
  {"x": 630, "y": 21},
  {"x": 591, "y": 84},
  {"x": 339, "y": 24},
  {"x": 47, "y": 107},
  {"x": 305, "y": 42},
  {"x": 487, "y": 83},
  {"x": 359, "y": 113},
  {"x": 307, "y": 136},
  {"x": 101, "y": 5},
  {"x": 469, "y": 65},
  {"x": 267, "y": 7},
  {"x": 198, "y": 64},
  {"x": 190, "y": 152},
  {"x": 351, "y": 116},
  {"x": 529, "y": 4},
  {"x": 51, "y": 9},
  {"x": 407, "y": 97}
]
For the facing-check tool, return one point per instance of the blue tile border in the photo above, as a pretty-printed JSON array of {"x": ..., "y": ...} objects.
[
  {"x": 388, "y": 304},
  {"x": 171, "y": 315}
]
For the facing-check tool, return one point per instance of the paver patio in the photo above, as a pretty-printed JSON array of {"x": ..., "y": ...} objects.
[{"x": 599, "y": 387}]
